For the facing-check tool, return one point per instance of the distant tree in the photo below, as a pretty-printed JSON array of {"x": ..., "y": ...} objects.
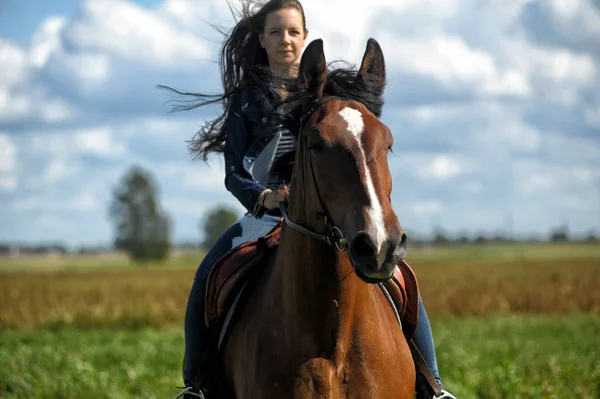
[
  {"x": 215, "y": 222},
  {"x": 559, "y": 234},
  {"x": 440, "y": 237},
  {"x": 142, "y": 229},
  {"x": 591, "y": 237},
  {"x": 480, "y": 239},
  {"x": 463, "y": 237},
  {"x": 499, "y": 237}
]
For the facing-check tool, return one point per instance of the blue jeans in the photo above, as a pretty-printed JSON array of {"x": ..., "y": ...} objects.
[
  {"x": 246, "y": 229},
  {"x": 423, "y": 339}
]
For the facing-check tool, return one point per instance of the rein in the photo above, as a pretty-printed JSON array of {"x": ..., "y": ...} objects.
[{"x": 334, "y": 236}]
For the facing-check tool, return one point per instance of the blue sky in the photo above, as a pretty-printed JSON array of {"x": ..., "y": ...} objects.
[{"x": 494, "y": 107}]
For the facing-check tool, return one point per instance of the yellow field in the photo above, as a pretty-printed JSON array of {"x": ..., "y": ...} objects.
[{"x": 108, "y": 291}]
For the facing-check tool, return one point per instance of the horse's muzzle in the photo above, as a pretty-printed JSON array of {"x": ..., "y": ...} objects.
[{"x": 367, "y": 261}]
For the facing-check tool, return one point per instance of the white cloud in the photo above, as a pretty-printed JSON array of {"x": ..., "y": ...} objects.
[
  {"x": 46, "y": 41},
  {"x": 571, "y": 149},
  {"x": 8, "y": 154},
  {"x": 565, "y": 66},
  {"x": 537, "y": 183},
  {"x": 472, "y": 187},
  {"x": 133, "y": 33},
  {"x": 587, "y": 174},
  {"x": 193, "y": 14},
  {"x": 567, "y": 8},
  {"x": 196, "y": 176},
  {"x": 14, "y": 64},
  {"x": 90, "y": 69},
  {"x": 8, "y": 164},
  {"x": 61, "y": 152},
  {"x": 8, "y": 183},
  {"x": 20, "y": 97},
  {"x": 59, "y": 169},
  {"x": 452, "y": 62},
  {"x": 507, "y": 135},
  {"x": 549, "y": 184},
  {"x": 579, "y": 17},
  {"x": 55, "y": 110},
  {"x": 99, "y": 141},
  {"x": 83, "y": 201},
  {"x": 441, "y": 167},
  {"x": 427, "y": 208},
  {"x": 13, "y": 106},
  {"x": 555, "y": 74},
  {"x": 15, "y": 71},
  {"x": 190, "y": 207},
  {"x": 592, "y": 116}
]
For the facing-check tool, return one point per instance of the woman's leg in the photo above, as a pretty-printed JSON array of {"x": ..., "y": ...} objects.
[
  {"x": 195, "y": 332},
  {"x": 423, "y": 339},
  {"x": 246, "y": 229}
]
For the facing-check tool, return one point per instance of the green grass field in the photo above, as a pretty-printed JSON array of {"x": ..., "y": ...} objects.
[
  {"x": 513, "y": 321},
  {"x": 497, "y": 357}
]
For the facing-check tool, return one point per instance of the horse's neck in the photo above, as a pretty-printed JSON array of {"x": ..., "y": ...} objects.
[{"x": 317, "y": 288}]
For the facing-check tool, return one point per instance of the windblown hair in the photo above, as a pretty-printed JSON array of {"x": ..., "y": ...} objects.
[
  {"x": 243, "y": 62},
  {"x": 343, "y": 80}
]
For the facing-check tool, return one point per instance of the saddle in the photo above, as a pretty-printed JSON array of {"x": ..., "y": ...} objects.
[{"x": 234, "y": 270}]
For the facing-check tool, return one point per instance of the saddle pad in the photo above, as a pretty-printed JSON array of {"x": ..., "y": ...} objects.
[
  {"x": 230, "y": 273},
  {"x": 404, "y": 290}
]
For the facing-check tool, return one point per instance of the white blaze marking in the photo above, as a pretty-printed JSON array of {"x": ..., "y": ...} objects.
[{"x": 356, "y": 126}]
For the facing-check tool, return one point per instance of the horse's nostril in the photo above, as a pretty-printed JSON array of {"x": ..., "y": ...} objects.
[
  {"x": 404, "y": 240},
  {"x": 400, "y": 250},
  {"x": 363, "y": 247}
]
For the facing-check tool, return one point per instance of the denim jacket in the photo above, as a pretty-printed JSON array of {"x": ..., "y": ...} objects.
[{"x": 253, "y": 135}]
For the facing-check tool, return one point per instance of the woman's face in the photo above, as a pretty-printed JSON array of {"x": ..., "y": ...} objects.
[{"x": 283, "y": 38}]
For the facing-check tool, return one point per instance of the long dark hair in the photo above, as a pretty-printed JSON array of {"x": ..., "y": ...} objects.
[{"x": 243, "y": 62}]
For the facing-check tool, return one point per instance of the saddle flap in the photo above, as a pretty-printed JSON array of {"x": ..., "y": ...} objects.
[
  {"x": 404, "y": 290},
  {"x": 231, "y": 271},
  {"x": 412, "y": 293}
]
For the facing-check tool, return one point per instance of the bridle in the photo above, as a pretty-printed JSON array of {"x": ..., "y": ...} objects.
[{"x": 334, "y": 236}]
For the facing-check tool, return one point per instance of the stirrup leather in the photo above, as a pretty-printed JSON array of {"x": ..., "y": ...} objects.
[
  {"x": 188, "y": 391},
  {"x": 444, "y": 395}
]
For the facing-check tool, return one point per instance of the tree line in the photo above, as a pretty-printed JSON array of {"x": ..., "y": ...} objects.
[{"x": 143, "y": 229}]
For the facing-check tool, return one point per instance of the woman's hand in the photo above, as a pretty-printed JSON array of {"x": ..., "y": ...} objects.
[{"x": 276, "y": 197}]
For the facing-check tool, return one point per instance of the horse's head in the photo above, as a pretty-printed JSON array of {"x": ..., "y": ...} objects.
[{"x": 342, "y": 164}]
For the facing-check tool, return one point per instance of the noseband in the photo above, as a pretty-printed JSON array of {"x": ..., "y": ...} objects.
[{"x": 334, "y": 236}]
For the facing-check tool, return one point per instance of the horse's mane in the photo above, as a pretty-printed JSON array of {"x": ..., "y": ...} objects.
[{"x": 342, "y": 81}]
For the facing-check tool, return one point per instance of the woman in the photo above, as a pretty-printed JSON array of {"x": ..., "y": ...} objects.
[{"x": 258, "y": 150}]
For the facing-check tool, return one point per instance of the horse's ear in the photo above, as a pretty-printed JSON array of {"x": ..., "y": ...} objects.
[
  {"x": 372, "y": 68},
  {"x": 313, "y": 69}
]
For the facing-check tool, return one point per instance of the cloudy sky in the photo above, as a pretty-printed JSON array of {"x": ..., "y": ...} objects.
[{"x": 494, "y": 106}]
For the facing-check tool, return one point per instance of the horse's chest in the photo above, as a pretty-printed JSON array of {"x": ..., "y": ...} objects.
[{"x": 347, "y": 376}]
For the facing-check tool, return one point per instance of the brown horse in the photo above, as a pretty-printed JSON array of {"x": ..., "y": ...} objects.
[{"x": 316, "y": 324}]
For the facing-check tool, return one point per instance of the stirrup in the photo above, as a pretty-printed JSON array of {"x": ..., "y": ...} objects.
[
  {"x": 188, "y": 391},
  {"x": 444, "y": 395}
]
